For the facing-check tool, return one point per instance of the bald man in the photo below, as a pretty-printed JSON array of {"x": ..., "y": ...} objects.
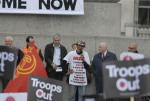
[
  {"x": 103, "y": 56},
  {"x": 133, "y": 48}
]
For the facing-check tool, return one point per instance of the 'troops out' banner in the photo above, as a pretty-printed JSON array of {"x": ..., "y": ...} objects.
[
  {"x": 64, "y": 7},
  {"x": 8, "y": 61},
  {"x": 44, "y": 89},
  {"x": 123, "y": 79}
]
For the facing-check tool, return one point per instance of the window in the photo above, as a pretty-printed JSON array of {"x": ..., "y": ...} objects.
[
  {"x": 144, "y": 12},
  {"x": 144, "y": 2}
]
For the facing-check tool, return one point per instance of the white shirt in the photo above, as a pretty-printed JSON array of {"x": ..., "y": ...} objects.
[
  {"x": 56, "y": 57},
  {"x": 104, "y": 53},
  {"x": 78, "y": 78}
]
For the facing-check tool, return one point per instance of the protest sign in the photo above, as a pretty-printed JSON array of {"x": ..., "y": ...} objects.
[
  {"x": 44, "y": 89},
  {"x": 8, "y": 61},
  {"x": 123, "y": 79}
]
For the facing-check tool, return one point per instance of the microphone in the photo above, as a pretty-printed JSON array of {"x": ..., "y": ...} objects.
[{"x": 79, "y": 53}]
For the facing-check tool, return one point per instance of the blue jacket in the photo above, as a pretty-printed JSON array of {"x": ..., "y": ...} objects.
[{"x": 97, "y": 68}]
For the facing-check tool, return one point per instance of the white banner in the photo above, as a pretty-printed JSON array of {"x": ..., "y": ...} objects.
[
  {"x": 130, "y": 56},
  {"x": 13, "y": 96},
  {"x": 64, "y": 7}
]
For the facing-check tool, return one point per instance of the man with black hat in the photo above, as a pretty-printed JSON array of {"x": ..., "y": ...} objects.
[{"x": 78, "y": 61}]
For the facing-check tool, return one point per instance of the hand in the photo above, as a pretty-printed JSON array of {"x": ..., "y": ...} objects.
[
  {"x": 69, "y": 72},
  {"x": 53, "y": 66},
  {"x": 82, "y": 57}
]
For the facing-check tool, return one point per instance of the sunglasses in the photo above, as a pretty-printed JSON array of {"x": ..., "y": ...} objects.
[{"x": 131, "y": 48}]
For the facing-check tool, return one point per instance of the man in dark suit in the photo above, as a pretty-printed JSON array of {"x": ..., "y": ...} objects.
[
  {"x": 54, "y": 54},
  {"x": 103, "y": 56},
  {"x": 9, "y": 42}
]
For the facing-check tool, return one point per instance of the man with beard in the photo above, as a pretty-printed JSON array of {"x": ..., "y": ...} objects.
[{"x": 78, "y": 61}]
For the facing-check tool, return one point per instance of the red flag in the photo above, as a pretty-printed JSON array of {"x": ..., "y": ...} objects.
[{"x": 30, "y": 64}]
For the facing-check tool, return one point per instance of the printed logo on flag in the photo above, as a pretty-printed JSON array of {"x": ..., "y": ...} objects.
[
  {"x": 27, "y": 60},
  {"x": 30, "y": 64}
]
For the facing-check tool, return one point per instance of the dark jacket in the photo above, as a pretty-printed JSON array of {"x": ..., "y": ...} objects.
[
  {"x": 136, "y": 51},
  {"x": 49, "y": 52},
  {"x": 97, "y": 68},
  {"x": 20, "y": 56}
]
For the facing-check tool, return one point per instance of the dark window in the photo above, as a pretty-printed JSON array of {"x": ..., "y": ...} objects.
[
  {"x": 144, "y": 12},
  {"x": 143, "y": 16},
  {"x": 144, "y": 3}
]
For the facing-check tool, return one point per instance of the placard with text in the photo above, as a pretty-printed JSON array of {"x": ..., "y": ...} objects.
[
  {"x": 123, "y": 79},
  {"x": 44, "y": 89},
  {"x": 8, "y": 61},
  {"x": 64, "y": 7}
]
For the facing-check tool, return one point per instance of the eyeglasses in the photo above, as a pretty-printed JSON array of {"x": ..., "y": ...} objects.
[{"x": 131, "y": 48}]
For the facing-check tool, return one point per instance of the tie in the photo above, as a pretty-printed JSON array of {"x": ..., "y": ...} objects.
[{"x": 103, "y": 56}]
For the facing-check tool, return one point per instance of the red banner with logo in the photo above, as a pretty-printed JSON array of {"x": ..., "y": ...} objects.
[{"x": 30, "y": 64}]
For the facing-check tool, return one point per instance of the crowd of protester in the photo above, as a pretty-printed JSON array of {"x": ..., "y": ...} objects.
[{"x": 56, "y": 56}]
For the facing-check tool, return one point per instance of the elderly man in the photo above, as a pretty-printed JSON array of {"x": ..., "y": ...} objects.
[
  {"x": 133, "y": 48},
  {"x": 103, "y": 56},
  {"x": 9, "y": 42},
  {"x": 54, "y": 54}
]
